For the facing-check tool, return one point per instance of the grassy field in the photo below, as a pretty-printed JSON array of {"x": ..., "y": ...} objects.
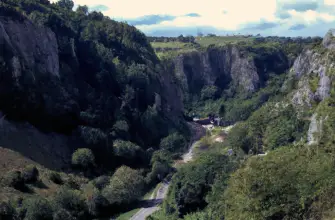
[
  {"x": 171, "y": 45},
  {"x": 172, "y": 49},
  {"x": 221, "y": 40}
]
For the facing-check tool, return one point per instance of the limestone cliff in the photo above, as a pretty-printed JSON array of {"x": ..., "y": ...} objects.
[
  {"x": 28, "y": 48},
  {"x": 58, "y": 81},
  {"x": 227, "y": 67},
  {"x": 313, "y": 72}
]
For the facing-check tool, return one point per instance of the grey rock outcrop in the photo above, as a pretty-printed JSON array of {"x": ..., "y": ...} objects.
[
  {"x": 315, "y": 129},
  {"x": 308, "y": 65},
  {"x": 221, "y": 67},
  {"x": 329, "y": 39},
  {"x": 28, "y": 47}
]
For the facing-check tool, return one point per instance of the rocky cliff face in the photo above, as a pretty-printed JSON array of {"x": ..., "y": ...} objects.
[
  {"x": 28, "y": 48},
  {"x": 228, "y": 66},
  {"x": 328, "y": 40},
  {"x": 61, "y": 83},
  {"x": 35, "y": 59},
  {"x": 313, "y": 70}
]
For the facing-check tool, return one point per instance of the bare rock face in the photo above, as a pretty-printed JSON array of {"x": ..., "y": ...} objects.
[
  {"x": 315, "y": 129},
  {"x": 28, "y": 47},
  {"x": 329, "y": 39},
  {"x": 323, "y": 90},
  {"x": 216, "y": 66},
  {"x": 171, "y": 99},
  {"x": 310, "y": 64},
  {"x": 303, "y": 96}
]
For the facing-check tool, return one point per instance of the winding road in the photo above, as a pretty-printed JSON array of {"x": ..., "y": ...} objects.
[{"x": 157, "y": 198}]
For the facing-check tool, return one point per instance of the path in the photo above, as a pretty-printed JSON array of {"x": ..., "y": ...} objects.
[{"x": 198, "y": 131}]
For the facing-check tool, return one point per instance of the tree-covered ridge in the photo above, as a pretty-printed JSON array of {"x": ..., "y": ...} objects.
[
  {"x": 109, "y": 76},
  {"x": 106, "y": 93}
]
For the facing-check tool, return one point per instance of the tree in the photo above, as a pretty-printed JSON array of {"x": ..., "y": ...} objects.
[
  {"x": 82, "y": 9},
  {"x": 30, "y": 174},
  {"x": 101, "y": 182},
  {"x": 97, "y": 204},
  {"x": 55, "y": 177},
  {"x": 126, "y": 186},
  {"x": 37, "y": 209},
  {"x": 83, "y": 158},
  {"x": 14, "y": 179},
  {"x": 209, "y": 92},
  {"x": 174, "y": 142},
  {"x": 121, "y": 128},
  {"x": 160, "y": 166},
  {"x": 126, "y": 149},
  {"x": 71, "y": 200},
  {"x": 67, "y": 4}
]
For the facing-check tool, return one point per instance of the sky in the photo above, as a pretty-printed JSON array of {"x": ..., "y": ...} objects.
[{"x": 221, "y": 17}]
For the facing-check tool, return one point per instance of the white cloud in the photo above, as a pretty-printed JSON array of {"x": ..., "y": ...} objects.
[
  {"x": 237, "y": 11},
  {"x": 329, "y": 2},
  {"x": 227, "y": 15},
  {"x": 311, "y": 17}
]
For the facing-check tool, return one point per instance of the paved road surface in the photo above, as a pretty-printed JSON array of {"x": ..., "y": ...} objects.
[{"x": 161, "y": 193}]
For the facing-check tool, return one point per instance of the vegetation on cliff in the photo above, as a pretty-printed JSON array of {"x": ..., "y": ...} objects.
[{"x": 104, "y": 90}]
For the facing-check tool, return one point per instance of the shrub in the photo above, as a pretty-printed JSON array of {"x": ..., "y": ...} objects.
[
  {"x": 125, "y": 187},
  {"x": 55, "y": 177},
  {"x": 174, "y": 142},
  {"x": 92, "y": 136},
  {"x": 70, "y": 200},
  {"x": 121, "y": 128},
  {"x": 14, "y": 179},
  {"x": 101, "y": 182},
  {"x": 7, "y": 212},
  {"x": 83, "y": 158},
  {"x": 209, "y": 92},
  {"x": 63, "y": 214},
  {"x": 71, "y": 183},
  {"x": 97, "y": 204},
  {"x": 126, "y": 149},
  {"x": 30, "y": 174},
  {"x": 37, "y": 209}
]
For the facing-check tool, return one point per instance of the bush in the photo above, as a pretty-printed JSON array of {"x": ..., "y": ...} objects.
[
  {"x": 55, "y": 177},
  {"x": 30, "y": 174},
  {"x": 121, "y": 128},
  {"x": 14, "y": 179},
  {"x": 97, "y": 204},
  {"x": 209, "y": 92},
  {"x": 71, "y": 183},
  {"x": 161, "y": 166},
  {"x": 83, "y": 158},
  {"x": 70, "y": 200},
  {"x": 101, "y": 182},
  {"x": 125, "y": 187},
  {"x": 63, "y": 214},
  {"x": 92, "y": 136},
  {"x": 37, "y": 209},
  {"x": 7, "y": 212},
  {"x": 127, "y": 149},
  {"x": 173, "y": 143}
]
